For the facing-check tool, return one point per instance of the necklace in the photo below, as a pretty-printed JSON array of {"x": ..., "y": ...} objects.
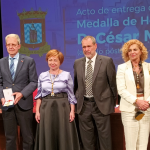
[
  {"x": 138, "y": 82},
  {"x": 52, "y": 81},
  {"x": 137, "y": 76},
  {"x": 135, "y": 66}
]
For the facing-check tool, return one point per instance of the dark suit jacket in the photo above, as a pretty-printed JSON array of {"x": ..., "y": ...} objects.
[
  {"x": 25, "y": 80},
  {"x": 104, "y": 83}
]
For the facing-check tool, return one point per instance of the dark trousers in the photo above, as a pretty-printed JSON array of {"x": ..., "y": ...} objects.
[
  {"x": 91, "y": 120},
  {"x": 24, "y": 118}
]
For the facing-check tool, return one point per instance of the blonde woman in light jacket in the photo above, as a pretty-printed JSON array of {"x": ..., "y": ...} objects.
[{"x": 133, "y": 84}]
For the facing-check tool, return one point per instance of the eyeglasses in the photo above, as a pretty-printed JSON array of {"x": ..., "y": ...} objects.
[{"x": 12, "y": 45}]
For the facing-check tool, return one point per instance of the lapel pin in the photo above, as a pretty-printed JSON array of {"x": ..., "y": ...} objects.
[{"x": 21, "y": 60}]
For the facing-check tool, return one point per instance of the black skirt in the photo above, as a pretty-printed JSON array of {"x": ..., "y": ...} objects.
[{"x": 55, "y": 132}]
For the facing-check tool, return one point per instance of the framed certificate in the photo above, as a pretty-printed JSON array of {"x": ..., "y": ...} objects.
[{"x": 9, "y": 98}]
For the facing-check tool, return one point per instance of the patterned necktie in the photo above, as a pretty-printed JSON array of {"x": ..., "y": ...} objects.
[
  {"x": 12, "y": 71},
  {"x": 88, "y": 80}
]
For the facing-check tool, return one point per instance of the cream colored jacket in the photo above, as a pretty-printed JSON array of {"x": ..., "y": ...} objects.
[{"x": 127, "y": 88}]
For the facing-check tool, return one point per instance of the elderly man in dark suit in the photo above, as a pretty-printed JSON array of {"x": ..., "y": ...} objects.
[
  {"x": 96, "y": 92},
  {"x": 18, "y": 72}
]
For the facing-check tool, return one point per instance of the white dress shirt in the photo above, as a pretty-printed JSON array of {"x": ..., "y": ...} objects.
[
  {"x": 15, "y": 61},
  {"x": 93, "y": 65}
]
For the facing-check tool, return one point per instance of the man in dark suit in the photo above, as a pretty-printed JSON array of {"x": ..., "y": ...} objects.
[
  {"x": 96, "y": 92},
  {"x": 19, "y": 73}
]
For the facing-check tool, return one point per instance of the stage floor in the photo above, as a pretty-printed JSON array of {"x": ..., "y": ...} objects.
[{"x": 118, "y": 141}]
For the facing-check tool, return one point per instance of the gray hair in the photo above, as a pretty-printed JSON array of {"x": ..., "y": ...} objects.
[
  {"x": 13, "y": 36},
  {"x": 89, "y": 37}
]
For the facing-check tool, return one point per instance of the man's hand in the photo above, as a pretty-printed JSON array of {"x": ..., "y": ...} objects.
[
  {"x": 3, "y": 101},
  {"x": 18, "y": 96}
]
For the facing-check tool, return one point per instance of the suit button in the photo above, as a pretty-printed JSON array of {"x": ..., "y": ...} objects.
[{"x": 13, "y": 84}]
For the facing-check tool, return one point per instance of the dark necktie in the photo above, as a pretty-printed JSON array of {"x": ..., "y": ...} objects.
[
  {"x": 88, "y": 80},
  {"x": 12, "y": 71}
]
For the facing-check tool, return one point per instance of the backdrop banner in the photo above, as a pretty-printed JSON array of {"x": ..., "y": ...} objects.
[{"x": 61, "y": 24}]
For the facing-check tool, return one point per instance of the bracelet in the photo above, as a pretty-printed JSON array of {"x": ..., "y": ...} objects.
[{"x": 135, "y": 101}]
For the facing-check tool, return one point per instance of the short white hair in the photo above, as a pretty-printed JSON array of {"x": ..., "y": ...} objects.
[
  {"x": 13, "y": 36},
  {"x": 89, "y": 37}
]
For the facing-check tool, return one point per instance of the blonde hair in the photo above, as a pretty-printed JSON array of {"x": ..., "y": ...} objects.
[
  {"x": 125, "y": 49},
  {"x": 13, "y": 36},
  {"x": 89, "y": 37},
  {"x": 55, "y": 52}
]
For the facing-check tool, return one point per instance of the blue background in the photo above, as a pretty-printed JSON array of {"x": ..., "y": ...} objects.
[{"x": 67, "y": 20}]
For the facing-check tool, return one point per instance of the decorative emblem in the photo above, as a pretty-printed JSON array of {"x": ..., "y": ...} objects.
[{"x": 32, "y": 26}]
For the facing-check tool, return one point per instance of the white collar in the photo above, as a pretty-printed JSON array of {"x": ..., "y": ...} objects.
[{"x": 93, "y": 59}]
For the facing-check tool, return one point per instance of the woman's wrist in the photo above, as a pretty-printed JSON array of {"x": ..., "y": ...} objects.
[
  {"x": 72, "y": 108},
  {"x": 37, "y": 111},
  {"x": 72, "y": 111},
  {"x": 135, "y": 102}
]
